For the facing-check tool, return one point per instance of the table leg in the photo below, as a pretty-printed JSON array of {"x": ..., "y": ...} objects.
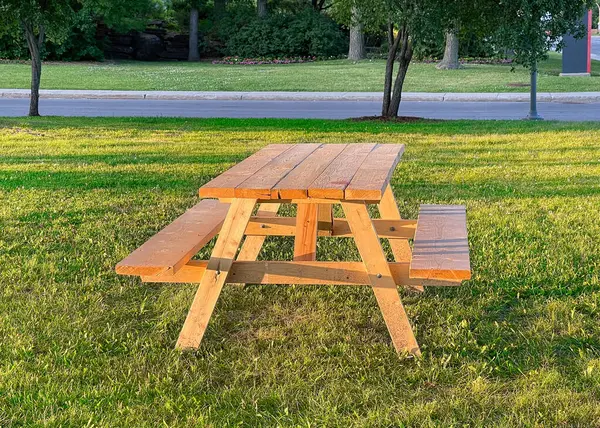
[
  {"x": 216, "y": 273},
  {"x": 382, "y": 282},
  {"x": 400, "y": 247},
  {"x": 252, "y": 244},
  {"x": 325, "y": 218},
  {"x": 305, "y": 238}
]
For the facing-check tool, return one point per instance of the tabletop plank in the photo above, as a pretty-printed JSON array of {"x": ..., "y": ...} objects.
[
  {"x": 373, "y": 176},
  {"x": 223, "y": 186},
  {"x": 335, "y": 178},
  {"x": 261, "y": 183},
  {"x": 295, "y": 184}
]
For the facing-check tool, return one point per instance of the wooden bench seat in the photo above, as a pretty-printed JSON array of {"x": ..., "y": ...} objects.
[
  {"x": 441, "y": 249},
  {"x": 171, "y": 248}
]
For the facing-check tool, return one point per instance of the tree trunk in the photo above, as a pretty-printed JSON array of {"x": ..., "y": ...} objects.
[
  {"x": 356, "y": 50},
  {"x": 393, "y": 44},
  {"x": 450, "y": 60},
  {"x": 261, "y": 6},
  {"x": 194, "y": 54},
  {"x": 34, "y": 43},
  {"x": 393, "y": 95}
]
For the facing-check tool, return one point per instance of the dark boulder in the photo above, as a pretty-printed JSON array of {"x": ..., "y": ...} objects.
[{"x": 147, "y": 47}]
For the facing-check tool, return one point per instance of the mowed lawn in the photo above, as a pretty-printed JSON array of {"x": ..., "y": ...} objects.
[
  {"x": 519, "y": 344},
  {"x": 338, "y": 75}
]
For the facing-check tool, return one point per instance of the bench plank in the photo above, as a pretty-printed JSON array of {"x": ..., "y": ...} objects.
[
  {"x": 171, "y": 248},
  {"x": 441, "y": 248}
]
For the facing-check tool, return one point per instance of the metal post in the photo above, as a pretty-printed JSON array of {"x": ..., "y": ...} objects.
[{"x": 533, "y": 114}]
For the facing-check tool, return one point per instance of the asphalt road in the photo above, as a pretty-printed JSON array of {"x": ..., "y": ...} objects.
[
  {"x": 596, "y": 48},
  {"x": 296, "y": 109}
]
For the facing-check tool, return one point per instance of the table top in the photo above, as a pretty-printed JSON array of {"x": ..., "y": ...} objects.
[{"x": 304, "y": 171}]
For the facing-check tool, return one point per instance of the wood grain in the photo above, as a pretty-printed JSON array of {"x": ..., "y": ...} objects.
[
  {"x": 295, "y": 184},
  {"x": 305, "y": 236},
  {"x": 261, "y": 183},
  {"x": 215, "y": 274},
  {"x": 400, "y": 247},
  {"x": 441, "y": 248},
  {"x": 223, "y": 186},
  {"x": 380, "y": 275},
  {"x": 253, "y": 244},
  {"x": 335, "y": 178},
  {"x": 172, "y": 247},
  {"x": 373, "y": 176},
  {"x": 302, "y": 273}
]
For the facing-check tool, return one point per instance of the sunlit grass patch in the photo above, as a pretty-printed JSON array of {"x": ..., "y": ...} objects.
[{"x": 519, "y": 344}]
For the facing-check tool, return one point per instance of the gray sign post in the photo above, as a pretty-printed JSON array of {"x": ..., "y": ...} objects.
[{"x": 577, "y": 53}]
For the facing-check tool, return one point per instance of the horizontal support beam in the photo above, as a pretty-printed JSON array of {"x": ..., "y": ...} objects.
[
  {"x": 286, "y": 226},
  {"x": 334, "y": 273}
]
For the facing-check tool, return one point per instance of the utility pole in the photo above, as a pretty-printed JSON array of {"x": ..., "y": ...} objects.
[{"x": 533, "y": 113}]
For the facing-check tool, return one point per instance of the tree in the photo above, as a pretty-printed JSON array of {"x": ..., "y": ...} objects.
[
  {"x": 356, "y": 50},
  {"x": 52, "y": 19},
  {"x": 450, "y": 60},
  {"x": 38, "y": 19},
  {"x": 194, "y": 53},
  {"x": 530, "y": 28}
]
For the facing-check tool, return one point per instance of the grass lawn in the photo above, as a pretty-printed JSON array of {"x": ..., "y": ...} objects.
[
  {"x": 339, "y": 75},
  {"x": 519, "y": 344}
]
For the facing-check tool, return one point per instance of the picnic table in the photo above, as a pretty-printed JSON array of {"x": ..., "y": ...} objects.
[{"x": 314, "y": 177}]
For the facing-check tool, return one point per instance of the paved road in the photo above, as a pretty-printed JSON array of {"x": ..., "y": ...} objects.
[
  {"x": 596, "y": 48},
  {"x": 297, "y": 109}
]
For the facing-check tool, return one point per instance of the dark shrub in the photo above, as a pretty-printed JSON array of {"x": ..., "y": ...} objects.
[{"x": 307, "y": 33}]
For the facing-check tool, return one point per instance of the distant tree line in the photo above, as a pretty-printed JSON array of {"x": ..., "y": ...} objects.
[{"x": 406, "y": 29}]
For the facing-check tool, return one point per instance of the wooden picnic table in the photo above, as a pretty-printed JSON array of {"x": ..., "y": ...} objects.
[{"x": 314, "y": 177}]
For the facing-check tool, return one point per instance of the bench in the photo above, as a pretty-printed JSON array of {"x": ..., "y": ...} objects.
[
  {"x": 171, "y": 248},
  {"x": 440, "y": 247}
]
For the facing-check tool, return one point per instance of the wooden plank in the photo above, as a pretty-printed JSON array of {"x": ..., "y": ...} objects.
[
  {"x": 286, "y": 226},
  {"x": 301, "y": 273},
  {"x": 380, "y": 275},
  {"x": 335, "y": 178},
  {"x": 261, "y": 183},
  {"x": 441, "y": 248},
  {"x": 400, "y": 247},
  {"x": 295, "y": 184},
  {"x": 223, "y": 186},
  {"x": 305, "y": 237},
  {"x": 176, "y": 244},
  {"x": 325, "y": 218},
  {"x": 252, "y": 244},
  {"x": 373, "y": 176},
  {"x": 396, "y": 229},
  {"x": 216, "y": 273}
]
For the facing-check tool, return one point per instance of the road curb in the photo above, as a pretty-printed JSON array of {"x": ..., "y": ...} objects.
[{"x": 564, "y": 97}]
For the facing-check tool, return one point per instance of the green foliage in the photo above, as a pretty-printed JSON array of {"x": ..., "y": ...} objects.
[
  {"x": 307, "y": 33},
  {"x": 532, "y": 27}
]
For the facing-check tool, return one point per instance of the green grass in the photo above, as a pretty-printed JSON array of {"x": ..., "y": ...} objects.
[
  {"x": 519, "y": 344},
  {"x": 325, "y": 76}
]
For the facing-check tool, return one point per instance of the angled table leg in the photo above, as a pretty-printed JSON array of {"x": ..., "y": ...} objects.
[
  {"x": 252, "y": 244},
  {"x": 400, "y": 248},
  {"x": 216, "y": 273},
  {"x": 305, "y": 239},
  {"x": 382, "y": 282}
]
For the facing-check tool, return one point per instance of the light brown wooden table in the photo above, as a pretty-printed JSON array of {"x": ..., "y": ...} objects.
[{"x": 313, "y": 177}]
